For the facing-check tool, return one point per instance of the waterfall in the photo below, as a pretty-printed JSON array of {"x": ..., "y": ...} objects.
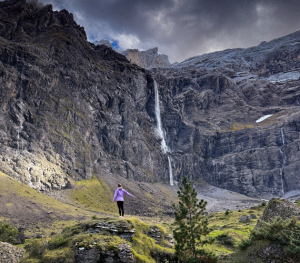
[
  {"x": 170, "y": 171},
  {"x": 282, "y": 135},
  {"x": 281, "y": 169},
  {"x": 283, "y": 160},
  {"x": 160, "y": 131},
  {"x": 282, "y": 190},
  {"x": 158, "y": 120}
]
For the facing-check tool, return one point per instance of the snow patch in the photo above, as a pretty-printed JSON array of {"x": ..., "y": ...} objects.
[
  {"x": 263, "y": 118},
  {"x": 283, "y": 77}
]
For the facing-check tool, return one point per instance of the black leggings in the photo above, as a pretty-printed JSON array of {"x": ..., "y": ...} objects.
[{"x": 121, "y": 208}]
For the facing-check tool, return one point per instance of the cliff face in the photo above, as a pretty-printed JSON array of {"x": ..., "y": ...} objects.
[
  {"x": 147, "y": 59},
  {"x": 70, "y": 109},
  {"x": 210, "y": 107}
]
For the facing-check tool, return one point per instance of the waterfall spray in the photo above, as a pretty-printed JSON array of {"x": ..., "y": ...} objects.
[
  {"x": 283, "y": 161},
  {"x": 160, "y": 131},
  {"x": 158, "y": 120},
  {"x": 282, "y": 135},
  {"x": 170, "y": 171}
]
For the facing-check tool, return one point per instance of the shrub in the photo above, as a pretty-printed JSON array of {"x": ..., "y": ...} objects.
[
  {"x": 204, "y": 257},
  {"x": 225, "y": 239},
  {"x": 8, "y": 233},
  {"x": 227, "y": 212},
  {"x": 285, "y": 232},
  {"x": 245, "y": 243},
  {"x": 36, "y": 248},
  {"x": 264, "y": 203}
]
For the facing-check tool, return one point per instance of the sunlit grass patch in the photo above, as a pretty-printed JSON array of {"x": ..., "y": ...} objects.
[{"x": 94, "y": 194}]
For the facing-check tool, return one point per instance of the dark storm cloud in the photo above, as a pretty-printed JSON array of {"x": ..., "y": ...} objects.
[{"x": 184, "y": 28}]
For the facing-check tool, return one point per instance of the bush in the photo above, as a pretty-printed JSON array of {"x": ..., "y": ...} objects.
[
  {"x": 8, "y": 233},
  {"x": 225, "y": 239},
  {"x": 245, "y": 243},
  {"x": 285, "y": 232},
  {"x": 58, "y": 241},
  {"x": 227, "y": 212},
  {"x": 36, "y": 248},
  {"x": 204, "y": 257},
  {"x": 264, "y": 203}
]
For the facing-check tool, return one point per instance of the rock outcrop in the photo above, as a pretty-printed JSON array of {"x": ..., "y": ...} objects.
[
  {"x": 124, "y": 230},
  {"x": 279, "y": 207},
  {"x": 103, "y": 42},
  {"x": 90, "y": 255},
  {"x": 9, "y": 253},
  {"x": 147, "y": 59},
  {"x": 272, "y": 249}
]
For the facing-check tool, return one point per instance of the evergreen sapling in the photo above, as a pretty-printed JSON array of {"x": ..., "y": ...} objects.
[{"x": 191, "y": 226}]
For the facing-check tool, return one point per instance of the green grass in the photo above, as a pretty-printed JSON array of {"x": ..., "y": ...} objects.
[
  {"x": 60, "y": 247},
  {"x": 62, "y": 214},
  {"x": 94, "y": 194},
  {"x": 242, "y": 256},
  {"x": 229, "y": 224}
]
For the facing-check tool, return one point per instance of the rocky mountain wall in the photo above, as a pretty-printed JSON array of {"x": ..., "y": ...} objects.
[
  {"x": 210, "y": 107},
  {"x": 70, "y": 109}
]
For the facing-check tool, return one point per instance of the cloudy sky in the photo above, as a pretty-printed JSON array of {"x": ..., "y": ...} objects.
[{"x": 184, "y": 28}]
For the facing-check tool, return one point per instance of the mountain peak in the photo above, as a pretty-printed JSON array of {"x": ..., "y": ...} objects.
[
  {"x": 23, "y": 20},
  {"x": 147, "y": 59}
]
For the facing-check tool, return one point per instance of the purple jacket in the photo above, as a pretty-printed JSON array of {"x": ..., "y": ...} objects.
[{"x": 119, "y": 194}]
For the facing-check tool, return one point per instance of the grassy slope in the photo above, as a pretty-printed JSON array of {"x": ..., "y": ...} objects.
[
  {"x": 95, "y": 195},
  {"x": 23, "y": 205},
  {"x": 230, "y": 225},
  {"x": 37, "y": 212}
]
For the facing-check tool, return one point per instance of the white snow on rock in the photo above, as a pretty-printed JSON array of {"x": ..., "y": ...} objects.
[
  {"x": 263, "y": 118},
  {"x": 283, "y": 77}
]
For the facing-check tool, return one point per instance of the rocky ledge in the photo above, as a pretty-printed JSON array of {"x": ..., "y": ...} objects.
[
  {"x": 9, "y": 253},
  {"x": 121, "y": 254}
]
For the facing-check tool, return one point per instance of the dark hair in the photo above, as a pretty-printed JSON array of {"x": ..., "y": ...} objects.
[{"x": 119, "y": 185}]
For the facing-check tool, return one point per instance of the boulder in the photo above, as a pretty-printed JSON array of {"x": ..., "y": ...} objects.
[
  {"x": 10, "y": 253},
  {"x": 244, "y": 218},
  {"x": 278, "y": 207}
]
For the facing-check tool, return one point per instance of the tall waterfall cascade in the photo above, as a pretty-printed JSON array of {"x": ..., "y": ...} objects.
[
  {"x": 283, "y": 160},
  {"x": 160, "y": 131},
  {"x": 282, "y": 135}
]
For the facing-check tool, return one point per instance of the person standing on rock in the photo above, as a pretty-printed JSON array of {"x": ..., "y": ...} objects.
[{"x": 119, "y": 193}]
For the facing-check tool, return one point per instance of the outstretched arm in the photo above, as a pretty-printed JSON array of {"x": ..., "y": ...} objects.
[{"x": 128, "y": 193}]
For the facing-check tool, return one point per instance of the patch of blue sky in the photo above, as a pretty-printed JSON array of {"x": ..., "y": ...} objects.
[{"x": 115, "y": 44}]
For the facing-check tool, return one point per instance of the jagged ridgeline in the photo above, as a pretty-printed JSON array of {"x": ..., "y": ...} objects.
[{"x": 71, "y": 110}]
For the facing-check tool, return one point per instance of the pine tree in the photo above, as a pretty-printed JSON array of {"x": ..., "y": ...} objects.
[{"x": 191, "y": 225}]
